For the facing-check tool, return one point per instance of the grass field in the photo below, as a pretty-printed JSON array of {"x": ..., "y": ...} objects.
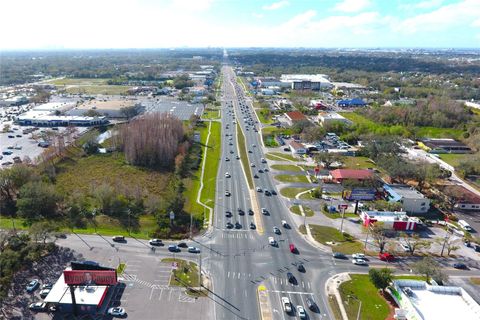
[
  {"x": 344, "y": 243},
  {"x": 292, "y": 192},
  {"x": 357, "y": 163},
  {"x": 475, "y": 281},
  {"x": 285, "y": 167},
  {"x": 307, "y": 210},
  {"x": 78, "y": 81},
  {"x": 374, "y": 306},
  {"x": 278, "y": 156},
  {"x": 454, "y": 159},
  {"x": 186, "y": 275},
  {"x": 291, "y": 178},
  {"x": 211, "y": 114},
  {"x": 260, "y": 114},
  {"x": 98, "y": 89},
  {"x": 192, "y": 185},
  {"x": 308, "y": 196},
  {"x": 427, "y": 132},
  {"x": 243, "y": 156}
]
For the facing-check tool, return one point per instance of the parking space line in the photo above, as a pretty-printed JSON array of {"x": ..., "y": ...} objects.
[{"x": 160, "y": 296}]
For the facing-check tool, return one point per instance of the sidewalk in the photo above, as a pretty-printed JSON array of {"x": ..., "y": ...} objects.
[{"x": 331, "y": 289}]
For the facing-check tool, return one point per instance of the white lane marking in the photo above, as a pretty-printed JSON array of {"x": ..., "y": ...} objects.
[
  {"x": 291, "y": 292},
  {"x": 228, "y": 274},
  {"x": 151, "y": 294},
  {"x": 239, "y": 275},
  {"x": 308, "y": 284}
]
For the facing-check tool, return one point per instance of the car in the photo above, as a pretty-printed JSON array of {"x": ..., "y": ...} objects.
[
  {"x": 339, "y": 255},
  {"x": 7, "y": 152},
  {"x": 285, "y": 224},
  {"x": 290, "y": 277},
  {"x": 264, "y": 211},
  {"x": 227, "y": 193},
  {"x": 47, "y": 285},
  {"x": 18, "y": 147},
  {"x": 252, "y": 226},
  {"x": 227, "y": 175},
  {"x": 7, "y": 163},
  {"x": 237, "y": 157},
  {"x": 43, "y": 144},
  {"x": 250, "y": 212},
  {"x": 250, "y": 151},
  {"x": 259, "y": 189},
  {"x": 118, "y": 238},
  {"x": 227, "y": 159},
  {"x": 193, "y": 250},
  {"x": 229, "y": 225},
  {"x": 260, "y": 171},
  {"x": 173, "y": 248},
  {"x": 267, "y": 193},
  {"x": 311, "y": 304},
  {"x": 286, "y": 305},
  {"x": 254, "y": 145},
  {"x": 460, "y": 265},
  {"x": 358, "y": 256},
  {"x": 228, "y": 214},
  {"x": 182, "y": 245},
  {"x": 406, "y": 247},
  {"x": 263, "y": 160},
  {"x": 292, "y": 248},
  {"x": 386, "y": 257},
  {"x": 272, "y": 241},
  {"x": 155, "y": 242},
  {"x": 276, "y": 230},
  {"x": 32, "y": 285},
  {"x": 116, "y": 312},
  {"x": 359, "y": 262},
  {"x": 37, "y": 306},
  {"x": 238, "y": 225},
  {"x": 240, "y": 212},
  {"x": 18, "y": 135},
  {"x": 265, "y": 169},
  {"x": 44, "y": 293},
  {"x": 255, "y": 176},
  {"x": 301, "y": 267},
  {"x": 230, "y": 144},
  {"x": 231, "y": 152},
  {"x": 301, "y": 312},
  {"x": 252, "y": 165},
  {"x": 11, "y": 136}
]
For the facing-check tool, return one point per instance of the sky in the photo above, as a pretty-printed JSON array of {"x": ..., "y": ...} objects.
[{"x": 75, "y": 24}]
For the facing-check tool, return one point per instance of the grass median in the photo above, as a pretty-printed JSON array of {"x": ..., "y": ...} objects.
[
  {"x": 278, "y": 156},
  {"x": 291, "y": 178},
  {"x": 291, "y": 192},
  {"x": 242, "y": 149},
  {"x": 186, "y": 274},
  {"x": 307, "y": 210},
  {"x": 344, "y": 243},
  {"x": 285, "y": 167}
]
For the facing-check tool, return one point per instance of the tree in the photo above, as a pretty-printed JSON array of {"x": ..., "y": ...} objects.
[
  {"x": 129, "y": 112},
  {"x": 430, "y": 269},
  {"x": 414, "y": 242},
  {"x": 91, "y": 146},
  {"x": 299, "y": 126},
  {"x": 380, "y": 278},
  {"x": 381, "y": 145},
  {"x": 37, "y": 200},
  {"x": 379, "y": 235},
  {"x": 313, "y": 133},
  {"x": 326, "y": 159},
  {"x": 42, "y": 230},
  {"x": 427, "y": 172},
  {"x": 383, "y": 205},
  {"x": 449, "y": 242},
  {"x": 11, "y": 180},
  {"x": 91, "y": 113}
]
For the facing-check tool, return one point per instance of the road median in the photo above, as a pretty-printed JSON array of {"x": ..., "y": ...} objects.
[{"x": 264, "y": 303}]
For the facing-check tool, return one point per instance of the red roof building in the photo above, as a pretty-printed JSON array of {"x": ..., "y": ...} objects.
[
  {"x": 339, "y": 175},
  {"x": 294, "y": 116}
]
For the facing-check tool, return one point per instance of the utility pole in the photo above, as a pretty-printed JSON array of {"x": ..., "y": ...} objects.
[
  {"x": 366, "y": 238},
  {"x": 444, "y": 243},
  {"x": 343, "y": 216}
]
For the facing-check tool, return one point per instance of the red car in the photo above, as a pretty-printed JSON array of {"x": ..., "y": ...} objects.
[
  {"x": 292, "y": 248},
  {"x": 386, "y": 257}
]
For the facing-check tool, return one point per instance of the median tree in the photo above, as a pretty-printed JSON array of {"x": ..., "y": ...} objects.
[
  {"x": 380, "y": 278},
  {"x": 430, "y": 269}
]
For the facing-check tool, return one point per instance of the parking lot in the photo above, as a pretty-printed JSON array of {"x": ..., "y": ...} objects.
[{"x": 181, "y": 109}]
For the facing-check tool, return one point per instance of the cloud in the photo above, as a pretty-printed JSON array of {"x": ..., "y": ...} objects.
[
  {"x": 276, "y": 5},
  {"x": 428, "y": 4},
  {"x": 352, "y": 5},
  {"x": 258, "y": 15},
  {"x": 456, "y": 14}
]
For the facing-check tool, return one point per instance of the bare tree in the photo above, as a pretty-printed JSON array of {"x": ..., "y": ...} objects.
[
  {"x": 449, "y": 243},
  {"x": 379, "y": 235},
  {"x": 414, "y": 242}
]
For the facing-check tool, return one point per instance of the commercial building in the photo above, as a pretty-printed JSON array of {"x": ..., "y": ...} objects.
[
  {"x": 297, "y": 148},
  {"x": 396, "y": 220},
  {"x": 349, "y": 103},
  {"x": 14, "y": 101},
  {"x": 59, "y": 121},
  {"x": 293, "y": 117},
  {"x": 307, "y": 81},
  {"x": 444, "y": 146},
  {"x": 329, "y": 117},
  {"x": 412, "y": 201},
  {"x": 419, "y": 300},
  {"x": 106, "y": 107},
  {"x": 338, "y": 175},
  {"x": 462, "y": 198}
]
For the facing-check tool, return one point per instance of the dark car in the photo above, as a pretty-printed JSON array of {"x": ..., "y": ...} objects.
[
  {"x": 460, "y": 265},
  {"x": 228, "y": 214},
  {"x": 229, "y": 225},
  {"x": 274, "y": 192},
  {"x": 238, "y": 225},
  {"x": 300, "y": 267},
  {"x": 250, "y": 212},
  {"x": 252, "y": 226},
  {"x": 255, "y": 176},
  {"x": 291, "y": 277},
  {"x": 183, "y": 245},
  {"x": 267, "y": 193},
  {"x": 338, "y": 255},
  {"x": 311, "y": 304},
  {"x": 241, "y": 212},
  {"x": 173, "y": 248}
]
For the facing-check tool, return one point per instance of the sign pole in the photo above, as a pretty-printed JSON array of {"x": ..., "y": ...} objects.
[
  {"x": 74, "y": 302},
  {"x": 343, "y": 216}
]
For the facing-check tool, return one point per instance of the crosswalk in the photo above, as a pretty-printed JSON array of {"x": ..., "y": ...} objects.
[{"x": 238, "y": 235}]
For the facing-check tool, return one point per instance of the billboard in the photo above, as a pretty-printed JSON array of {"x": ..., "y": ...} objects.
[
  {"x": 362, "y": 194},
  {"x": 90, "y": 277}
]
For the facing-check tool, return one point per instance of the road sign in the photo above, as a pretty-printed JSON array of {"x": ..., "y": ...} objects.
[
  {"x": 342, "y": 206},
  {"x": 174, "y": 265}
]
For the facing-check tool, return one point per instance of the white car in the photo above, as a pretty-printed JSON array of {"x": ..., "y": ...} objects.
[
  {"x": 284, "y": 224},
  {"x": 287, "y": 307},
  {"x": 44, "y": 292},
  {"x": 276, "y": 230},
  {"x": 264, "y": 211},
  {"x": 117, "y": 311},
  {"x": 358, "y": 256},
  {"x": 252, "y": 165},
  {"x": 259, "y": 189},
  {"x": 301, "y": 312},
  {"x": 359, "y": 262},
  {"x": 193, "y": 250},
  {"x": 272, "y": 241},
  {"x": 227, "y": 175}
]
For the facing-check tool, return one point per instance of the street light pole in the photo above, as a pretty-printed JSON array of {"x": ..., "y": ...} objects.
[
  {"x": 343, "y": 216},
  {"x": 94, "y": 212}
]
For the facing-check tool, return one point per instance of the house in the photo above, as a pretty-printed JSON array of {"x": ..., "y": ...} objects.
[
  {"x": 293, "y": 117},
  {"x": 396, "y": 220},
  {"x": 444, "y": 146},
  {"x": 338, "y": 175},
  {"x": 297, "y": 148},
  {"x": 462, "y": 198},
  {"x": 329, "y": 117},
  {"x": 348, "y": 103},
  {"x": 412, "y": 201}
]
